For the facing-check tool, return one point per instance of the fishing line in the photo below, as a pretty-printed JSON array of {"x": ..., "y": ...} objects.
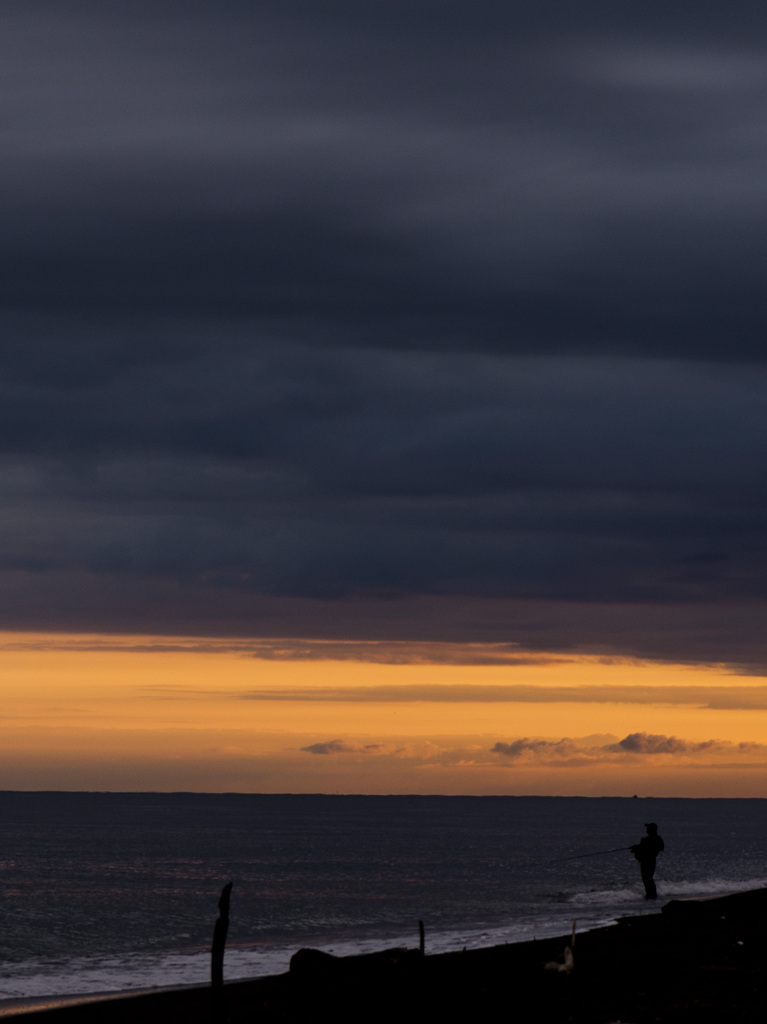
[{"x": 596, "y": 853}]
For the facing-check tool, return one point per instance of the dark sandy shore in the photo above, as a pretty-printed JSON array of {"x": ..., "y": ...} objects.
[{"x": 694, "y": 961}]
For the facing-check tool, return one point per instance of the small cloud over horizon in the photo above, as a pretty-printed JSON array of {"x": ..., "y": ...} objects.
[
  {"x": 345, "y": 747},
  {"x": 637, "y": 745}
]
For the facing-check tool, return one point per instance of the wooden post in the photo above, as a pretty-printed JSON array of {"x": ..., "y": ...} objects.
[
  {"x": 219, "y": 940},
  {"x": 421, "y": 938}
]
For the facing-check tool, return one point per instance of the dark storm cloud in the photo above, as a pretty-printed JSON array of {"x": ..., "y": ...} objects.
[
  {"x": 311, "y": 311},
  {"x": 324, "y": 474},
  {"x": 391, "y": 174}
]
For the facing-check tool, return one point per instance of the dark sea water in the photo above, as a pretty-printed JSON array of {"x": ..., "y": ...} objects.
[{"x": 104, "y": 892}]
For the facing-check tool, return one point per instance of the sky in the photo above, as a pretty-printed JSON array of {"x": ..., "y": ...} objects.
[{"x": 383, "y": 396}]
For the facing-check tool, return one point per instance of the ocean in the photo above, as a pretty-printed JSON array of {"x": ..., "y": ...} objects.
[{"x": 105, "y": 892}]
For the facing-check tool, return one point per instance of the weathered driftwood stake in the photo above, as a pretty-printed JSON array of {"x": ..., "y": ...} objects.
[
  {"x": 219, "y": 939},
  {"x": 421, "y": 938}
]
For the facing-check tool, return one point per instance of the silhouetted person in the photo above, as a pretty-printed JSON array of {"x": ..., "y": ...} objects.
[{"x": 645, "y": 851}]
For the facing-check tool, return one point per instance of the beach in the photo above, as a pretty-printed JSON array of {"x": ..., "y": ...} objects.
[{"x": 694, "y": 960}]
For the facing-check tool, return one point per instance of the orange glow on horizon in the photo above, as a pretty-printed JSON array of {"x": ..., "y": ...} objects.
[{"x": 167, "y": 713}]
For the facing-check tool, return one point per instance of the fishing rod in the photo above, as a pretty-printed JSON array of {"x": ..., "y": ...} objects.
[{"x": 597, "y": 853}]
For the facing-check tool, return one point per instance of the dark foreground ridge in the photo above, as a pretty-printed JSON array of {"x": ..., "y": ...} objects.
[{"x": 697, "y": 960}]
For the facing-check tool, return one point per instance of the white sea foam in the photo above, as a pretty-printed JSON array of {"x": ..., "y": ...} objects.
[
  {"x": 40, "y": 977},
  {"x": 667, "y": 890}
]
